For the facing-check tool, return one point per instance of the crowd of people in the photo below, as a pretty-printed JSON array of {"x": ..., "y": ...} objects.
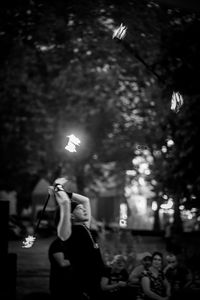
[{"x": 80, "y": 271}]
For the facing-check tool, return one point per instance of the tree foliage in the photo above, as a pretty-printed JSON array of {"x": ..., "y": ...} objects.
[{"x": 62, "y": 72}]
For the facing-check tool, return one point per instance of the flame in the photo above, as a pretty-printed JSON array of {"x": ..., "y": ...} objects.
[
  {"x": 176, "y": 102},
  {"x": 72, "y": 143},
  {"x": 70, "y": 147},
  {"x": 119, "y": 32},
  {"x": 73, "y": 139},
  {"x": 29, "y": 241}
]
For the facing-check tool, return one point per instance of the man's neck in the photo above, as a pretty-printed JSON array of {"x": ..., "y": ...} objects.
[{"x": 79, "y": 223}]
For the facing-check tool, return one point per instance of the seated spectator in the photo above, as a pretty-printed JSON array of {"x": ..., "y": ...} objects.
[
  {"x": 194, "y": 293},
  {"x": 114, "y": 279},
  {"x": 179, "y": 277},
  {"x": 145, "y": 263},
  {"x": 154, "y": 285},
  {"x": 196, "y": 280}
]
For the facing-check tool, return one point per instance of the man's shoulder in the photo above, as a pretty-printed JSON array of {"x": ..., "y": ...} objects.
[
  {"x": 137, "y": 272},
  {"x": 139, "y": 268},
  {"x": 56, "y": 241},
  {"x": 56, "y": 244},
  {"x": 182, "y": 270}
]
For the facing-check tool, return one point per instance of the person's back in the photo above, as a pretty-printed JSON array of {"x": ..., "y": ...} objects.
[
  {"x": 60, "y": 270},
  {"x": 85, "y": 257},
  {"x": 135, "y": 275}
]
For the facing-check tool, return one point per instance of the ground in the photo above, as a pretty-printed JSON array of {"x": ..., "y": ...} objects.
[
  {"x": 32, "y": 268},
  {"x": 32, "y": 275}
]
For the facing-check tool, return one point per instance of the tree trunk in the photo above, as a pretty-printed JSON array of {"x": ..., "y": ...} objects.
[
  {"x": 177, "y": 229},
  {"x": 177, "y": 225},
  {"x": 156, "y": 225},
  {"x": 80, "y": 180}
]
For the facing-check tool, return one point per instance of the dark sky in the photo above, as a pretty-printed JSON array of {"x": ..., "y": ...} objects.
[{"x": 193, "y": 5}]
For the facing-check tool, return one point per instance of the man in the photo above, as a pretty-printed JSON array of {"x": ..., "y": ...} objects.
[
  {"x": 178, "y": 276},
  {"x": 135, "y": 275},
  {"x": 82, "y": 248},
  {"x": 60, "y": 270}
]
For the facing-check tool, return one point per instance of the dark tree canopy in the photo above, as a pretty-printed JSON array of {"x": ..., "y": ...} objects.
[{"x": 61, "y": 72}]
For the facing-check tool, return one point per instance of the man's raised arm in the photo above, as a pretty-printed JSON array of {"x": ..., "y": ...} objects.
[
  {"x": 85, "y": 201},
  {"x": 63, "y": 200}
]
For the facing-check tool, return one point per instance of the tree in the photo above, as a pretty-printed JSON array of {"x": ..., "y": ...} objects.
[
  {"x": 49, "y": 47},
  {"x": 72, "y": 76}
]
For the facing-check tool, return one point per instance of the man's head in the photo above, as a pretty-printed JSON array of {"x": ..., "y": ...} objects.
[
  {"x": 78, "y": 212},
  {"x": 146, "y": 259},
  {"x": 118, "y": 263},
  {"x": 172, "y": 260},
  {"x": 74, "y": 205}
]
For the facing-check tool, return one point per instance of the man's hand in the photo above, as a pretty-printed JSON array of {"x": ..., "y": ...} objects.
[
  {"x": 63, "y": 183},
  {"x": 51, "y": 190},
  {"x": 58, "y": 191},
  {"x": 122, "y": 284}
]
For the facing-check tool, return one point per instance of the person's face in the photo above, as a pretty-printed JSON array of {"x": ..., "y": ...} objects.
[
  {"x": 172, "y": 261},
  {"x": 80, "y": 214},
  {"x": 147, "y": 262},
  {"x": 157, "y": 262},
  {"x": 119, "y": 265}
]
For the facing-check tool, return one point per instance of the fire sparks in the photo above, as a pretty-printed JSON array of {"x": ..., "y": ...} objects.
[
  {"x": 72, "y": 143},
  {"x": 176, "y": 102},
  {"x": 119, "y": 32},
  {"x": 28, "y": 242}
]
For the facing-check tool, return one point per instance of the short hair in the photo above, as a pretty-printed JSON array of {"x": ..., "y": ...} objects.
[
  {"x": 171, "y": 255},
  {"x": 157, "y": 253},
  {"x": 118, "y": 257},
  {"x": 74, "y": 205}
]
